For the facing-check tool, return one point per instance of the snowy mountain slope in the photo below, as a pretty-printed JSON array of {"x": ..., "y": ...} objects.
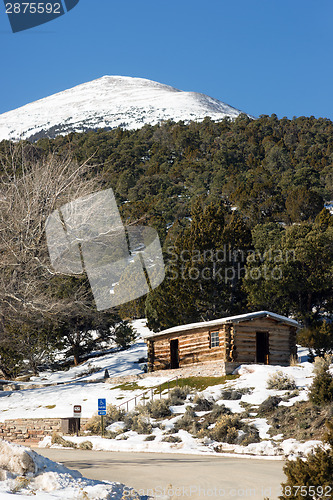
[{"x": 109, "y": 102}]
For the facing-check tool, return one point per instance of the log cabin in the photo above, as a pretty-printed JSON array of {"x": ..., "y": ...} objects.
[{"x": 259, "y": 337}]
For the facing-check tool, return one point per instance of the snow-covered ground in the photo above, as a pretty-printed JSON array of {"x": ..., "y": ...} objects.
[
  {"x": 57, "y": 401},
  {"x": 250, "y": 376},
  {"x": 26, "y": 473},
  {"x": 75, "y": 387}
]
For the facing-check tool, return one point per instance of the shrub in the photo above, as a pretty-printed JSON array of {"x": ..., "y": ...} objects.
[
  {"x": 321, "y": 390},
  {"x": 314, "y": 474},
  {"x": 141, "y": 425},
  {"x": 202, "y": 403},
  {"x": 178, "y": 395},
  {"x": 112, "y": 434},
  {"x": 199, "y": 427},
  {"x": 94, "y": 425},
  {"x": 113, "y": 414},
  {"x": 158, "y": 408},
  {"x": 186, "y": 421},
  {"x": 217, "y": 411},
  {"x": 290, "y": 395},
  {"x": 316, "y": 471},
  {"x": 172, "y": 439},
  {"x": 128, "y": 421},
  {"x": 86, "y": 445},
  {"x": 281, "y": 382},
  {"x": 269, "y": 405},
  {"x": 233, "y": 394},
  {"x": 251, "y": 435},
  {"x": 151, "y": 437},
  {"x": 227, "y": 430}
]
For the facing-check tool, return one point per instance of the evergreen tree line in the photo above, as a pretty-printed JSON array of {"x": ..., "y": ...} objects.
[{"x": 239, "y": 208}]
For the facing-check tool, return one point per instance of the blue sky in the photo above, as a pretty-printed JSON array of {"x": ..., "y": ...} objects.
[{"x": 261, "y": 56}]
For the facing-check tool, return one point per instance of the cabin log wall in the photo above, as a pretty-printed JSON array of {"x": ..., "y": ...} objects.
[
  {"x": 237, "y": 344},
  {"x": 281, "y": 340},
  {"x": 194, "y": 347}
]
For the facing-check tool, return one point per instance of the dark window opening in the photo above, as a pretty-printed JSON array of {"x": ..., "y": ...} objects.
[{"x": 174, "y": 353}]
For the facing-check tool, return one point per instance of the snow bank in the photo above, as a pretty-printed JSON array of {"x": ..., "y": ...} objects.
[
  {"x": 25, "y": 472},
  {"x": 15, "y": 459}
]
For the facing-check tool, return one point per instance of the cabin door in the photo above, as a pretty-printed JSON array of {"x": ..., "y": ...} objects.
[
  {"x": 174, "y": 354},
  {"x": 262, "y": 339}
]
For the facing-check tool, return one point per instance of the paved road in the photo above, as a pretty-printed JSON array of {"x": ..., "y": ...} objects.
[{"x": 196, "y": 477}]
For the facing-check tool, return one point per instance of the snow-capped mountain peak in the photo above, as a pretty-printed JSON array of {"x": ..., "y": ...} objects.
[{"x": 109, "y": 102}]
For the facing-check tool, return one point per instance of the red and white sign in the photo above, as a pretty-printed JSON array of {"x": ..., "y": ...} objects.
[{"x": 77, "y": 409}]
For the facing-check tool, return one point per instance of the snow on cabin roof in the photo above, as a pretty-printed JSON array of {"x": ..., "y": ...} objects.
[{"x": 222, "y": 321}]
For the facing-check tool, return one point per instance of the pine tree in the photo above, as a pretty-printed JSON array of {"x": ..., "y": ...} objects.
[
  {"x": 318, "y": 338},
  {"x": 310, "y": 478},
  {"x": 321, "y": 390},
  {"x": 204, "y": 271},
  {"x": 123, "y": 334}
]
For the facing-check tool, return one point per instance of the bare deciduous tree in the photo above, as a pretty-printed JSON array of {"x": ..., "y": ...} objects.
[{"x": 30, "y": 191}]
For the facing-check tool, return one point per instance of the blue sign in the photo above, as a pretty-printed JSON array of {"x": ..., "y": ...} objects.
[
  {"x": 102, "y": 412},
  {"x": 102, "y": 404}
]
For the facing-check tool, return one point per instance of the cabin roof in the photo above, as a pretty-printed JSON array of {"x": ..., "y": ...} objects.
[{"x": 222, "y": 321}]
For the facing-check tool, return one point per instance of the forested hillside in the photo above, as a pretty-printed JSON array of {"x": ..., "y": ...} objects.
[
  {"x": 239, "y": 207},
  {"x": 270, "y": 169}
]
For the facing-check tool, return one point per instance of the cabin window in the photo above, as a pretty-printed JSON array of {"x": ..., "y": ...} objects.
[{"x": 214, "y": 339}]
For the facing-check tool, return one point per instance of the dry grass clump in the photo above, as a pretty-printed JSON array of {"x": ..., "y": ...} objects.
[
  {"x": 58, "y": 439},
  {"x": 20, "y": 483},
  {"x": 281, "y": 382},
  {"x": 86, "y": 445},
  {"x": 294, "y": 360}
]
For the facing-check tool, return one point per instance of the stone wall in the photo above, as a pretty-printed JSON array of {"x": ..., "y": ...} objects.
[{"x": 30, "y": 431}]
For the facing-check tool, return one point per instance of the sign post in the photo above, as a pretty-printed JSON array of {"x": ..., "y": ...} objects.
[
  {"x": 102, "y": 412},
  {"x": 77, "y": 411}
]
